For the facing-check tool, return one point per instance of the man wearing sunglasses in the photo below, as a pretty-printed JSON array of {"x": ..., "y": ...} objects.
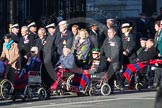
[{"x": 34, "y": 61}]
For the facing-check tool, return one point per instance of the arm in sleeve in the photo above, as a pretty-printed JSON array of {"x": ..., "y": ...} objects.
[
  {"x": 115, "y": 51},
  {"x": 69, "y": 63},
  {"x": 132, "y": 45},
  {"x": 3, "y": 55},
  {"x": 16, "y": 53}
]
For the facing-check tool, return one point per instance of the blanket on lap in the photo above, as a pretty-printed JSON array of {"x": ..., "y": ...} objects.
[
  {"x": 81, "y": 80},
  {"x": 131, "y": 69},
  {"x": 21, "y": 80}
]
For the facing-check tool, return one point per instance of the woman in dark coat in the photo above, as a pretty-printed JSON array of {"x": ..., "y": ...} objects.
[{"x": 128, "y": 44}]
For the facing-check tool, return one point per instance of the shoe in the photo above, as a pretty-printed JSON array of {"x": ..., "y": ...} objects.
[
  {"x": 13, "y": 98},
  {"x": 122, "y": 89},
  {"x": 112, "y": 92},
  {"x": 130, "y": 87},
  {"x": 157, "y": 88},
  {"x": 48, "y": 97}
]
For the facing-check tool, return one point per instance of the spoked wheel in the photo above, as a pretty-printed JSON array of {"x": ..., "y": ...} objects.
[
  {"x": 68, "y": 82},
  {"x": 6, "y": 89},
  {"x": 105, "y": 89},
  {"x": 138, "y": 86},
  {"x": 42, "y": 94}
]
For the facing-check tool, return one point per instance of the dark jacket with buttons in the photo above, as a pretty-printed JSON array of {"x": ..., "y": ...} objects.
[
  {"x": 129, "y": 46},
  {"x": 112, "y": 48},
  {"x": 59, "y": 41}
]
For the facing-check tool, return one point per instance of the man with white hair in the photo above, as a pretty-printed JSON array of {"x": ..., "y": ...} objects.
[
  {"x": 63, "y": 37},
  {"x": 41, "y": 41},
  {"x": 25, "y": 44},
  {"x": 109, "y": 23}
]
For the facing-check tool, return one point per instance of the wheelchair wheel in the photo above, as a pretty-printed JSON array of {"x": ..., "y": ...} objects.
[
  {"x": 69, "y": 80},
  {"x": 105, "y": 89},
  {"x": 6, "y": 89},
  {"x": 138, "y": 86},
  {"x": 42, "y": 94}
]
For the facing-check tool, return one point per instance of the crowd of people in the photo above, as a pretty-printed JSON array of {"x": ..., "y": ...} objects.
[{"x": 87, "y": 49}]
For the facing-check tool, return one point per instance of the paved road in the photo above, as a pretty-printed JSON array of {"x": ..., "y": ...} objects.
[{"x": 130, "y": 99}]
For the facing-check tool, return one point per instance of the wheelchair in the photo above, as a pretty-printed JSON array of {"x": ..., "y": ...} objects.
[
  {"x": 145, "y": 78},
  {"x": 29, "y": 85},
  {"x": 89, "y": 84},
  {"x": 6, "y": 88},
  {"x": 99, "y": 84}
]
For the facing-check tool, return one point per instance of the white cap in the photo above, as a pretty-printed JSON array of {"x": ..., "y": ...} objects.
[
  {"x": 15, "y": 26},
  {"x": 31, "y": 24},
  {"x": 51, "y": 25},
  {"x": 125, "y": 25},
  {"x": 62, "y": 23},
  {"x": 110, "y": 19}
]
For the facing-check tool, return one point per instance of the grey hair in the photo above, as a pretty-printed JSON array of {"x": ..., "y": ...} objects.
[{"x": 25, "y": 27}]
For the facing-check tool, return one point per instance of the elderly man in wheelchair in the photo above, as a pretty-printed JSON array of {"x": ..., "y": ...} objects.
[
  {"x": 99, "y": 76},
  {"x": 28, "y": 79},
  {"x": 143, "y": 60},
  {"x": 63, "y": 66}
]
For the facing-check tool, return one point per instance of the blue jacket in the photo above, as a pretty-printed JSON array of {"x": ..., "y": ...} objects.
[
  {"x": 33, "y": 64},
  {"x": 66, "y": 61}
]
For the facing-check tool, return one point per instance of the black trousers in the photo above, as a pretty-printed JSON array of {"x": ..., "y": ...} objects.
[{"x": 112, "y": 70}]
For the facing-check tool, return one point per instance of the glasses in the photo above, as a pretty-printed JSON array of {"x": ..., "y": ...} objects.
[
  {"x": 32, "y": 51},
  {"x": 95, "y": 53}
]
